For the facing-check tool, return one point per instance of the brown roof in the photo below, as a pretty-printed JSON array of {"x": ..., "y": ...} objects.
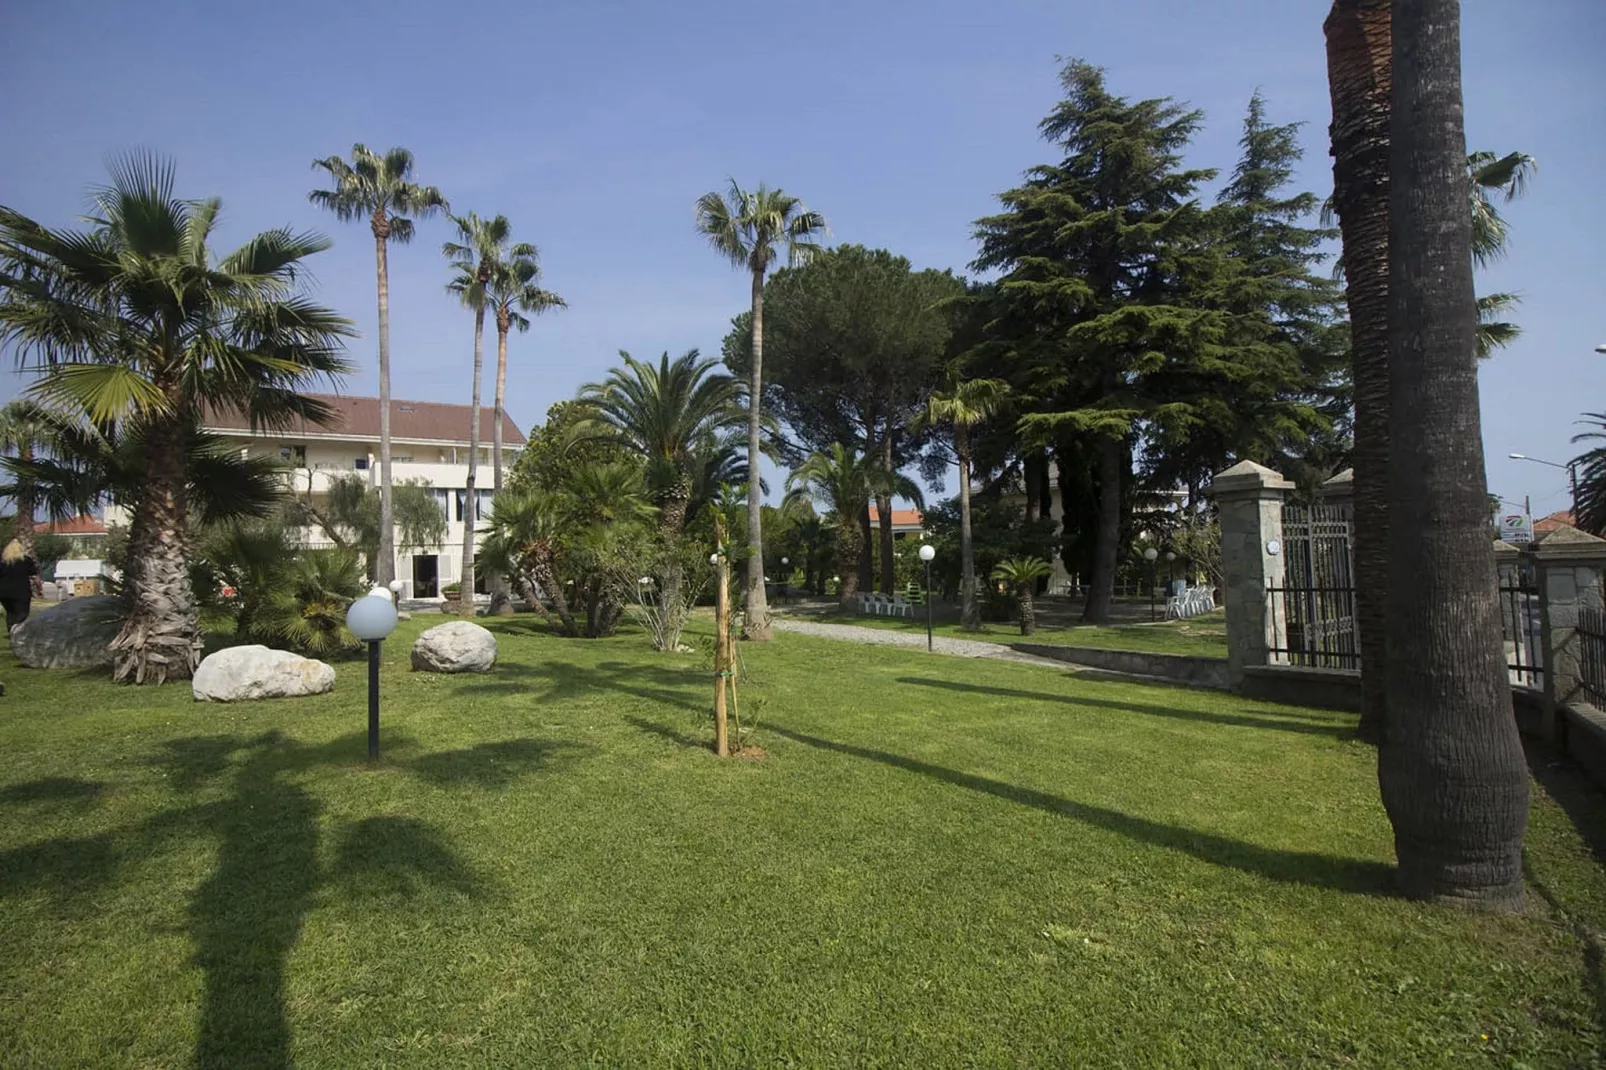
[
  {"x": 900, "y": 517},
  {"x": 431, "y": 421},
  {"x": 1553, "y": 521},
  {"x": 75, "y": 525}
]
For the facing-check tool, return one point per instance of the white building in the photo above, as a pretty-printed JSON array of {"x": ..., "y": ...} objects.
[{"x": 428, "y": 441}]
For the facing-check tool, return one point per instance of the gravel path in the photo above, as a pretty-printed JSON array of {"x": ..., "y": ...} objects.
[{"x": 959, "y": 648}]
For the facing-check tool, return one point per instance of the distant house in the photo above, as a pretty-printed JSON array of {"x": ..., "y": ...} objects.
[
  {"x": 1554, "y": 521},
  {"x": 904, "y": 521},
  {"x": 428, "y": 442}
]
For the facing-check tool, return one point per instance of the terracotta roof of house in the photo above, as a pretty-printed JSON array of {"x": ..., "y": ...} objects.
[
  {"x": 425, "y": 421},
  {"x": 901, "y": 518},
  {"x": 1553, "y": 521},
  {"x": 75, "y": 525}
]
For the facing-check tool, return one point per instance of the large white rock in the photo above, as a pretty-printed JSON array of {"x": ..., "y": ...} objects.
[
  {"x": 73, "y": 635},
  {"x": 457, "y": 646},
  {"x": 250, "y": 672}
]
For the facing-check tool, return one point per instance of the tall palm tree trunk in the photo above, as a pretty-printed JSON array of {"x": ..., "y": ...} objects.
[
  {"x": 756, "y": 627},
  {"x": 26, "y": 501},
  {"x": 1358, "y": 74},
  {"x": 471, "y": 503},
  {"x": 384, "y": 569},
  {"x": 969, "y": 608},
  {"x": 498, "y": 583},
  {"x": 849, "y": 548},
  {"x": 889, "y": 570},
  {"x": 1451, "y": 766},
  {"x": 160, "y": 638},
  {"x": 1106, "y": 545},
  {"x": 671, "y": 522}
]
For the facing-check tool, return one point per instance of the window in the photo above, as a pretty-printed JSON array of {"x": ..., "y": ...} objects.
[
  {"x": 461, "y": 497},
  {"x": 296, "y": 455},
  {"x": 442, "y": 502},
  {"x": 360, "y": 464},
  {"x": 484, "y": 510}
]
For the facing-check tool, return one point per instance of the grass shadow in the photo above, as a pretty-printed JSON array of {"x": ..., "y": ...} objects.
[
  {"x": 665, "y": 732},
  {"x": 556, "y": 681},
  {"x": 492, "y": 765},
  {"x": 1291, "y": 867},
  {"x": 395, "y": 857},
  {"x": 1281, "y": 723},
  {"x": 54, "y": 789}
]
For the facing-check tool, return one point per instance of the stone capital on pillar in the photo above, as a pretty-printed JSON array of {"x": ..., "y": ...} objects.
[
  {"x": 1569, "y": 565},
  {"x": 1249, "y": 500},
  {"x": 1340, "y": 490}
]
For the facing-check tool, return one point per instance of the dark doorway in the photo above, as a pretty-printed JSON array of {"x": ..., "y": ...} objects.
[{"x": 426, "y": 576}]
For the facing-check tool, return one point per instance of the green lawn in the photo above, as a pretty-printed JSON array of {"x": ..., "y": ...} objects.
[
  {"x": 941, "y": 862},
  {"x": 1204, "y": 636}
]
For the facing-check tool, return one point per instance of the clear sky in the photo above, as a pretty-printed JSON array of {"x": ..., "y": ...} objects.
[{"x": 594, "y": 126}]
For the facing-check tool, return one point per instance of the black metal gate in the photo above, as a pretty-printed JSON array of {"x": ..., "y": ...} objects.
[{"x": 1313, "y": 611}]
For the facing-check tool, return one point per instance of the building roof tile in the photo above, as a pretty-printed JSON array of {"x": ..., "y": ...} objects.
[{"x": 410, "y": 421}]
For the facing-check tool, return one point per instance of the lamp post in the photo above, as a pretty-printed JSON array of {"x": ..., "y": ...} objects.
[
  {"x": 927, "y": 552},
  {"x": 786, "y": 574},
  {"x": 371, "y": 618},
  {"x": 1571, "y": 468},
  {"x": 1149, "y": 555},
  {"x": 1170, "y": 561}
]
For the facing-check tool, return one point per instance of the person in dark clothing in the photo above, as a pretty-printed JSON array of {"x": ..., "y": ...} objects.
[{"x": 19, "y": 581}]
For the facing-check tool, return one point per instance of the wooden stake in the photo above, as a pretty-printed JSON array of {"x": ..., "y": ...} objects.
[{"x": 722, "y": 629}]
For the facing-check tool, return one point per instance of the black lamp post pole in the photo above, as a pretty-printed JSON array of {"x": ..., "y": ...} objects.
[
  {"x": 1154, "y": 577},
  {"x": 373, "y": 699},
  {"x": 928, "y": 608}
]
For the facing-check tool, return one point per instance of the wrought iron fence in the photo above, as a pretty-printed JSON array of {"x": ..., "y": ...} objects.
[
  {"x": 1520, "y": 624},
  {"x": 1591, "y": 633},
  {"x": 1313, "y": 611}
]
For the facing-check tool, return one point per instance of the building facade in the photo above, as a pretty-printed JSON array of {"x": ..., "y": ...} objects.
[{"x": 428, "y": 442}]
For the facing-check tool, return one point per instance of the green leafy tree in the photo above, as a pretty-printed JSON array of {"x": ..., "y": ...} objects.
[
  {"x": 26, "y": 429},
  {"x": 350, "y": 515},
  {"x": 566, "y": 441},
  {"x": 137, "y": 320},
  {"x": 854, "y": 343},
  {"x": 964, "y": 404},
  {"x": 1020, "y": 575},
  {"x": 749, "y": 229},
  {"x": 1102, "y": 253},
  {"x": 380, "y": 188},
  {"x": 843, "y": 482},
  {"x": 483, "y": 249},
  {"x": 1451, "y": 768}
]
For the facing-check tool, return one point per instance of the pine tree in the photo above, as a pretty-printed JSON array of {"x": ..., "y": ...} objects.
[{"x": 1099, "y": 252}]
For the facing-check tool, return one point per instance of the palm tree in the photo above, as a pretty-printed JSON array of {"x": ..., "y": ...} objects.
[
  {"x": 514, "y": 289},
  {"x": 747, "y": 228},
  {"x": 667, "y": 414},
  {"x": 380, "y": 189},
  {"x": 963, "y": 405},
  {"x": 1450, "y": 767},
  {"x": 1510, "y": 175},
  {"x": 1021, "y": 574},
  {"x": 482, "y": 250},
  {"x": 522, "y": 543},
  {"x": 136, "y": 320},
  {"x": 1589, "y": 475},
  {"x": 844, "y": 481},
  {"x": 25, "y": 429},
  {"x": 1358, "y": 76}
]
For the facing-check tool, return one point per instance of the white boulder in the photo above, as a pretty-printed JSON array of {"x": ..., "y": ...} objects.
[
  {"x": 251, "y": 672},
  {"x": 456, "y": 646},
  {"x": 73, "y": 635}
]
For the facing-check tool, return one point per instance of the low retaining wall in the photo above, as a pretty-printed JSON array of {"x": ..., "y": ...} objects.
[
  {"x": 1298, "y": 685},
  {"x": 1183, "y": 668}
]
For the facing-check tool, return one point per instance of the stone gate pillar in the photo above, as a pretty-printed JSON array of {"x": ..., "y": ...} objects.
[
  {"x": 1569, "y": 564},
  {"x": 1249, "y": 498}
]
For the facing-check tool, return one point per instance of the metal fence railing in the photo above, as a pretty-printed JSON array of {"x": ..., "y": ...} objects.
[
  {"x": 1520, "y": 625},
  {"x": 1592, "y": 656}
]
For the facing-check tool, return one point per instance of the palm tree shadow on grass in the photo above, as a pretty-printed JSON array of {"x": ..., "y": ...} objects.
[
  {"x": 1291, "y": 867},
  {"x": 246, "y": 917},
  {"x": 556, "y": 681},
  {"x": 1290, "y": 722}
]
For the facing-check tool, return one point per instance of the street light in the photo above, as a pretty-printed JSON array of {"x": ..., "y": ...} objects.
[
  {"x": 927, "y": 552},
  {"x": 1571, "y": 468},
  {"x": 372, "y": 618},
  {"x": 1149, "y": 555},
  {"x": 1170, "y": 559}
]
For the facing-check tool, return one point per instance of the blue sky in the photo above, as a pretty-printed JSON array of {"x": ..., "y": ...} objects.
[{"x": 594, "y": 126}]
